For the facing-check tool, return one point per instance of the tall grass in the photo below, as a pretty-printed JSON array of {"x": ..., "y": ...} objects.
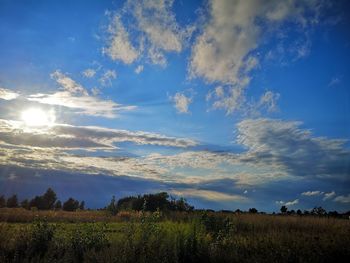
[{"x": 201, "y": 237}]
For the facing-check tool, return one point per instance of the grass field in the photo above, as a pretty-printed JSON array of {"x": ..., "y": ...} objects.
[{"x": 93, "y": 236}]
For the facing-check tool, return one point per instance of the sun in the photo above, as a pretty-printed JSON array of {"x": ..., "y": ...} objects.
[{"x": 38, "y": 117}]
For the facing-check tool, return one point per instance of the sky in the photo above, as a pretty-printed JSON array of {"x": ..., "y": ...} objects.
[{"x": 228, "y": 103}]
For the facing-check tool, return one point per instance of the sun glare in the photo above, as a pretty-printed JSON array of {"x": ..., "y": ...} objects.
[{"x": 38, "y": 117}]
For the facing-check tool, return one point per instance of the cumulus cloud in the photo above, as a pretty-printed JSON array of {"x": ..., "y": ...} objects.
[
  {"x": 312, "y": 193},
  {"x": 329, "y": 195},
  {"x": 77, "y": 98},
  {"x": 345, "y": 199},
  {"x": 155, "y": 27},
  {"x": 182, "y": 102},
  {"x": 224, "y": 51},
  {"x": 119, "y": 46},
  {"x": 6, "y": 94}
]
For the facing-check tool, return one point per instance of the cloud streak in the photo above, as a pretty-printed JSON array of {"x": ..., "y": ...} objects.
[{"x": 76, "y": 97}]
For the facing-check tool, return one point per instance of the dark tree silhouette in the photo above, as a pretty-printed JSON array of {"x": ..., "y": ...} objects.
[
  {"x": 37, "y": 202},
  {"x": 112, "y": 207},
  {"x": 284, "y": 209},
  {"x": 71, "y": 205},
  {"x": 58, "y": 205},
  {"x": 82, "y": 205},
  {"x": 25, "y": 204},
  {"x": 2, "y": 201},
  {"x": 299, "y": 213},
  {"x": 49, "y": 199},
  {"x": 253, "y": 210},
  {"x": 12, "y": 202}
]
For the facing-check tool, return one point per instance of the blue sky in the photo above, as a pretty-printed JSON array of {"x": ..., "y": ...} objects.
[{"x": 231, "y": 104}]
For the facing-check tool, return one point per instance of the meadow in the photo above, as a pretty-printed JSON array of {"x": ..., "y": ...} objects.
[{"x": 196, "y": 236}]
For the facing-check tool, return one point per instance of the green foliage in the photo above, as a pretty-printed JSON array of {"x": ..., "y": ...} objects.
[
  {"x": 87, "y": 237},
  {"x": 206, "y": 237}
]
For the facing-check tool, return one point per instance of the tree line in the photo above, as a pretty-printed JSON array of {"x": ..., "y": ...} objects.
[
  {"x": 147, "y": 202},
  {"x": 47, "y": 201}
]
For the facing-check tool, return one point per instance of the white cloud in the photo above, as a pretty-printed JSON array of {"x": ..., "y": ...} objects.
[
  {"x": 139, "y": 69},
  {"x": 6, "y": 94},
  {"x": 61, "y": 136},
  {"x": 76, "y": 97},
  {"x": 209, "y": 195},
  {"x": 107, "y": 77},
  {"x": 312, "y": 193},
  {"x": 89, "y": 73},
  {"x": 119, "y": 46},
  {"x": 288, "y": 203},
  {"x": 345, "y": 199},
  {"x": 68, "y": 84},
  {"x": 329, "y": 195},
  {"x": 224, "y": 51},
  {"x": 295, "y": 150},
  {"x": 181, "y": 102},
  {"x": 155, "y": 31},
  {"x": 269, "y": 101}
]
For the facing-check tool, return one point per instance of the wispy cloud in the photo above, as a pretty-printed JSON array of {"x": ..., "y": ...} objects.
[
  {"x": 107, "y": 77},
  {"x": 139, "y": 69},
  {"x": 329, "y": 195},
  {"x": 61, "y": 136},
  {"x": 7, "y": 94},
  {"x": 76, "y": 97},
  {"x": 89, "y": 73},
  {"x": 209, "y": 195},
  {"x": 312, "y": 193}
]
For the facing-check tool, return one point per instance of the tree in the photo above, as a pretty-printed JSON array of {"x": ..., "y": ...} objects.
[
  {"x": 71, "y": 205},
  {"x": 82, "y": 205},
  {"x": 58, "y": 205},
  {"x": 25, "y": 204},
  {"x": 284, "y": 209},
  {"x": 112, "y": 207},
  {"x": 318, "y": 211},
  {"x": 299, "y": 213},
  {"x": 12, "y": 202},
  {"x": 253, "y": 210},
  {"x": 37, "y": 202},
  {"x": 49, "y": 199},
  {"x": 2, "y": 201}
]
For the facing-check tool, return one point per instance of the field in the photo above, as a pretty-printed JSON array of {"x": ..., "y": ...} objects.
[{"x": 94, "y": 236}]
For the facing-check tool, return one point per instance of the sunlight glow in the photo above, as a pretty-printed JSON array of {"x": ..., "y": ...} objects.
[{"x": 38, "y": 117}]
